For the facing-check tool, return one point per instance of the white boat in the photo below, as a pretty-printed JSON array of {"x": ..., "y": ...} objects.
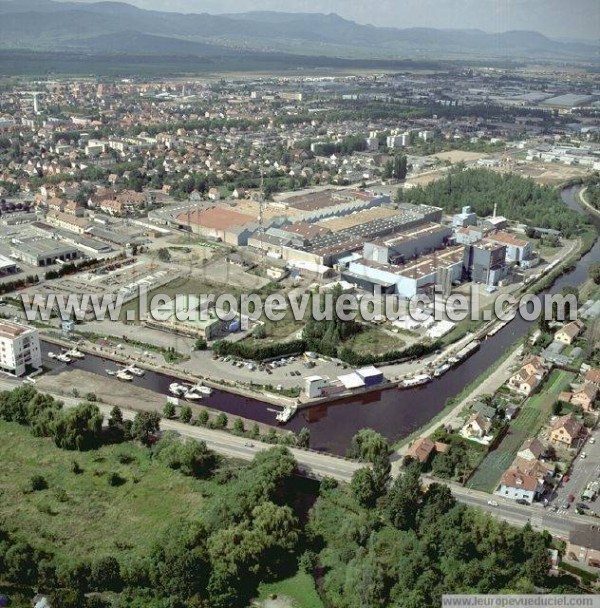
[
  {"x": 287, "y": 412},
  {"x": 124, "y": 375},
  {"x": 136, "y": 371},
  {"x": 111, "y": 372},
  {"x": 441, "y": 370},
  {"x": 202, "y": 389},
  {"x": 75, "y": 354},
  {"x": 63, "y": 358},
  {"x": 51, "y": 355},
  {"x": 192, "y": 394},
  {"x": 177, "y": 389},
  {"x": 417, "y": 380}
]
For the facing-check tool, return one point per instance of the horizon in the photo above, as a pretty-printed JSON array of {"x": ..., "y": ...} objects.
[{"x": 580, "y": 20}]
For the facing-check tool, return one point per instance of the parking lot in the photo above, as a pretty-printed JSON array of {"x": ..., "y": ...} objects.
[{"x": 583, "y": 471}]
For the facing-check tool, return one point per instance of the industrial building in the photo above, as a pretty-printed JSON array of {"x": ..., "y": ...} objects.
[
  {"x": 42, "y": 251},
  {"x": 517, "y": 250},
  {"x": 466, "y": 218},
  {"x": 407, "y": 244},
  {"x": 220, "y": 223},
  {"x": 19, "y": 348},
  {"x": 485, "y": 262},
  {"x": 441, "y": 269},
  {"x": 7, "y": 266}
]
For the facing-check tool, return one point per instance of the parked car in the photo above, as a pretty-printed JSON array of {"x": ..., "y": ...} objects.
[
  {"x": 592, "y": 440},
  {"x": 565, "y": 505},
  {"x": 583, "y": 455},
  {"x": 522, "y": 501},
  {"x": 582, "y": 505},
  {"x": 571, "y": 498}
]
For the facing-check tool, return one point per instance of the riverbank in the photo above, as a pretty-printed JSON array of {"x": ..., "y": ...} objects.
[
  {"x": 488, "y": 383},
  {"x": 595, "y": 212}
]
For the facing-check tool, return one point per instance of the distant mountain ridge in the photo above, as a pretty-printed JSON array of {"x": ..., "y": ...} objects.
[{"x": 57, "y": 26}]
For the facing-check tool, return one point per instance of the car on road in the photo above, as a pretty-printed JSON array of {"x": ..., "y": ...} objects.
[
  {"x": 583, "y": 455},
  {"x": 492, "y": 503},
  {"x": 249, "y": 444},
  {"x": 522, "y": 501}
]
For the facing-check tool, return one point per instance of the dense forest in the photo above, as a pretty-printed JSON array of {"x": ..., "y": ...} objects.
[
  {"x": 517, "y": 199},
  {"x": 371, "y": 543}
]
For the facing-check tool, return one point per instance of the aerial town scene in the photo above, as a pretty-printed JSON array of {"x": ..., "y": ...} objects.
[{"x": 299, "y": 309}]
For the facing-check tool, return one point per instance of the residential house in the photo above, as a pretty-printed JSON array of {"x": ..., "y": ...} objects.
[
  {"x": 519, "y": 486},
  {"x": 56, "y": 204},
  {"x": 529, "y": 377},
  {"x": 568, "y": 333},
  {"x": 566, "y": 431},
  {"x": 423, "y": 448},
  {"x": 534, "y": 468},
  {"x": 74, "y": 208},
  {"x": 584, "y": 546},
  {"x": 476, "y": 427},
  {"x": 532, "y": 449},
  {"x": 585, "y": 397},
  {"x": 593, "y": 376}
]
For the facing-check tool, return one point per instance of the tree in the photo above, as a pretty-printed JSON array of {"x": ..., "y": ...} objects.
[
  {"x": 303, "y": 438},
  {"x": 363, "y": 487},
  {"x": 116, "y": 416},
  {"x": 404, "y": 499},
  {"x": 79, "y": 428},
  {"x": 367, "y": 445},
  {"x": 164, "y": 255},
  {"x": 169, "y": 410},
  {"x": 105, "y": 574},
  {"x": 201, "y": 344},
  {"x": 192, "y": 458},
  {"x": 185, "y": 414},
  {"x": 221, "y": 421},
  {"x": 203, "y": 417},
  {"x": 594, "y": 272},
  {"x": 238, "y": 426},
  {"x": 38, "y": 483},
  {"x": 145, "y": 426}
]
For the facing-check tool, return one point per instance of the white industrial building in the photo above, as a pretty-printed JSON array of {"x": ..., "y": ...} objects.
[
  {"x": 440, "y": 268},
  {"x": 19, "y": 348}
]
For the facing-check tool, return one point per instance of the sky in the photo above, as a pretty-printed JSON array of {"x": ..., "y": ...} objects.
[{"x": 555, "y": 18}]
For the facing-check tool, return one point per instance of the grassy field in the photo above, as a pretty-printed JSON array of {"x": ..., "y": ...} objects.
[
  {"x": 374, "y": 341},
  {"x": 299, "y": 591},
  {"x": 526, "y": 425},
  {"x": 81, "y": 515}
]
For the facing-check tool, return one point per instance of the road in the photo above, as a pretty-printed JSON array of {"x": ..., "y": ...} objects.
[
  {"x": 581, "y": 472},
  {"x": 318, "y": 464},
  {"x": 541, "y": 519}
]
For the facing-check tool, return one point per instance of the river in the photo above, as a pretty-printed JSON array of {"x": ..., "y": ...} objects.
[{"x": 393, "y": 413}]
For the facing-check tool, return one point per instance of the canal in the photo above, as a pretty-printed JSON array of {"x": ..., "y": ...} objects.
[{"x": 393, "y": 413}]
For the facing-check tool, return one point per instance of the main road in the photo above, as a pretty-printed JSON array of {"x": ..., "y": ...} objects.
[{"x": 319, "y": 465}]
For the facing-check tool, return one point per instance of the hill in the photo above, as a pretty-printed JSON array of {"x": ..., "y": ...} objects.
[{"x": 62, "y": 26}]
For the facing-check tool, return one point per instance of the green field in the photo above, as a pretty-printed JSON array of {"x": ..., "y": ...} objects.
[
  {"x": 299, "y": 590},
  {"x": 526, "y": 425},
  {"x": 81, "y": 515},
  {"x": 374, "y": 341}
]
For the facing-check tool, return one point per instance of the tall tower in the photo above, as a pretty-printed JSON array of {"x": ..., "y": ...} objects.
[{"x": 36, "y": 107}]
